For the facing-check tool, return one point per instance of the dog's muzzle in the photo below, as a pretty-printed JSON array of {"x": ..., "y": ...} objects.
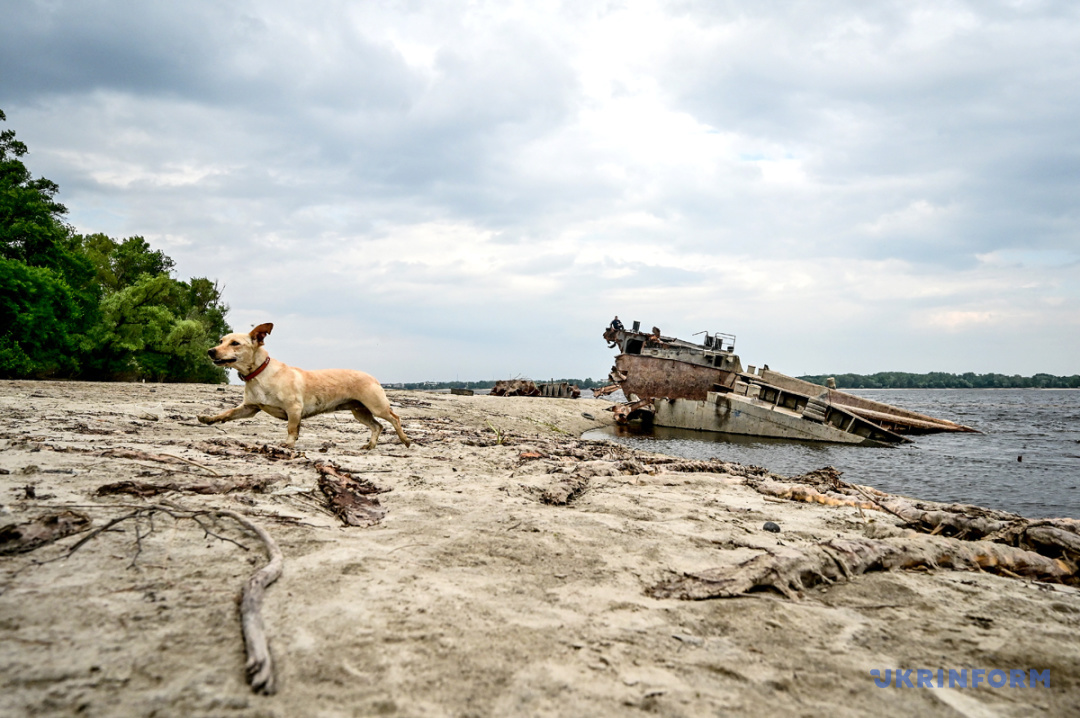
[{"x": 219, "y": 362}]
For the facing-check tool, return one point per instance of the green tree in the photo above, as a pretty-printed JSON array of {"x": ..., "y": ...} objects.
[
  {"x": 39, "y": 331},
  {"x": 152, "y": 330},
  {"x": 202, "y": 302},
  {"x": 120, "y": 264},
  {"x": 48, "y": 291},
  {"x": 88, "y": 306},
  {"x": 132, "y": 319},
  {"x": 31, "y": 220}
]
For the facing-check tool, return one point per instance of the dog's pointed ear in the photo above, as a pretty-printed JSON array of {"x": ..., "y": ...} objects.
[{"x": 259, "y": 333}]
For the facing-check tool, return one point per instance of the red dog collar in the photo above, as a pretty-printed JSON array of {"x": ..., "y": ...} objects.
[{"x": 252, "y": 375}]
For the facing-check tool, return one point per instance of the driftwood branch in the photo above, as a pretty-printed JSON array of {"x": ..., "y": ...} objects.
[
  {"x": 1052, "y": 538},
  {"x": 137, "y": 455},
  {"x": 809, "y": 494},
  {"x": 100, "y": 530},
  {"x": 197, "y": 518},
  {"x": 790, "y": 570},
  {"x": 1045, "y": 550},
  {"x": 258, "y": 484},
  {"x": 189, "y": 461},
  {"x": 713, "y": 466},
  {"x": 259, "y": 667}
]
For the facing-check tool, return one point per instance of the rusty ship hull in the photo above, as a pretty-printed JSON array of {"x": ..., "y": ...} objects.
[
  {"x": 655, "y": 377},
  {"x": 703, "y": 387}
]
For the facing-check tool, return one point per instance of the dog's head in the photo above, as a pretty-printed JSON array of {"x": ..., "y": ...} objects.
[{"x": 239, "y": 349}]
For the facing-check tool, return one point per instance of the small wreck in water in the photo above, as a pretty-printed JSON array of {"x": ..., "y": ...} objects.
[
  {"x": 524, "y": 387},
  {"x": 675, "y": 383}
]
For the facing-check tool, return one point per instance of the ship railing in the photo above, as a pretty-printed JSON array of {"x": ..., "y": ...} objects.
[{"x": 718, "y": 341}]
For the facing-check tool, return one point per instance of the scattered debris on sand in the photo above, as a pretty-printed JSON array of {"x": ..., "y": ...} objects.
[{"x": 499, "y": 566}]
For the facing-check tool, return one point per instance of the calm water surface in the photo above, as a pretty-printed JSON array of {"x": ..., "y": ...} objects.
[{"x": 1041, "y": 426}]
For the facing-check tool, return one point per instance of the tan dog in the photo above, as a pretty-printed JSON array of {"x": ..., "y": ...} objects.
[{"x": 289, "y": 393}]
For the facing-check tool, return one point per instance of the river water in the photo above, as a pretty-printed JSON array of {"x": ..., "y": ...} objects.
[{"x": 1027, "y": 460}]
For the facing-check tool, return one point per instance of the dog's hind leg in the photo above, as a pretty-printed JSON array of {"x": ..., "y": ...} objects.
[
  {"x": 388, "y": 414},
  {"x": 364, "y": 416},
  {"x": 396, "y": 421}
]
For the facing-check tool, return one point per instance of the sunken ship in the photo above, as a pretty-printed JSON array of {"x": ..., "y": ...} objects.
[{"x": 676, "y": 383}]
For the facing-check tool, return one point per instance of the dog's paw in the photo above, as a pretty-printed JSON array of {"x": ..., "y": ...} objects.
[{"x": 205, "y": 419}]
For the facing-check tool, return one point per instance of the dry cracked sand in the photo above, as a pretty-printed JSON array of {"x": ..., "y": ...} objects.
[{"x": 472, "y": 596}]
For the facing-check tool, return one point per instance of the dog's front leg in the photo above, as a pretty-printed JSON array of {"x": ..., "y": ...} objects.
[
  {"x": 240, "y": 412},
  {"x": 294, "y": 413}
]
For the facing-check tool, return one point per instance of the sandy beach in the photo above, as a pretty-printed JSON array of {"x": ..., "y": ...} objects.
[{"x": 471, "y": 594}]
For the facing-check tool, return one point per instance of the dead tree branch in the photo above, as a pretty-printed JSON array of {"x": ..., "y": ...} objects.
[
  {"x": 189, "y": 461},
  {"x": 259, "y": 667},
  {"x": 1050, "y": 537},
  {"x": 790, "y": 570}
]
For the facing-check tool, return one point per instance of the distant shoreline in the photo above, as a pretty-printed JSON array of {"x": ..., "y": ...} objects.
[
  {"x": 963, "y": 388},
  {"x": 943, "y": 380}
]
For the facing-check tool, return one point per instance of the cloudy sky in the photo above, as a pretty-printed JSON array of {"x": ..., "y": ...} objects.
[{"x": 468, "y": 190}]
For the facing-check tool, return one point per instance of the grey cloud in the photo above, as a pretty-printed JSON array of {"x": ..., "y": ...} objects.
[
  {"x": 985, "y": 121},
  {"x": 272, "y": 107},
  {"x": 201, "y": 51},
  {"x": 301, "y": 132}
]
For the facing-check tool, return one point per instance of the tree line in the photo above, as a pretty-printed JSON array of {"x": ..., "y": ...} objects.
[
  {"x": 75, "y": 306},
  {"x": 881, "y": 380},
  {"x": 489, "y": 384},
  {"x": 943, "y": 380}
]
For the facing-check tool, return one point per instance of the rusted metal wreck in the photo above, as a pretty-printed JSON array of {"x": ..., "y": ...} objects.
[
  {"x": 676, "y": 383},
  {"x": 524, "y": 387}
]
